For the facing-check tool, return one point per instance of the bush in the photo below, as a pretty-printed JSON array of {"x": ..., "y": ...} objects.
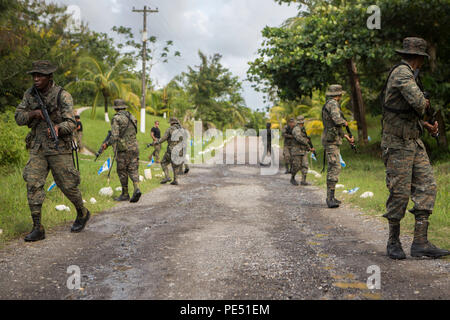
[{"x": 12, "y": 140}]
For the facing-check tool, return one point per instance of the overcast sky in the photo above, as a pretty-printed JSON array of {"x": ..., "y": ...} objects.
[{"x": 229, "y": 27}]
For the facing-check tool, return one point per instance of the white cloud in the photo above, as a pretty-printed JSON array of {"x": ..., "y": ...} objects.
[{"x": 229, "y": 27}]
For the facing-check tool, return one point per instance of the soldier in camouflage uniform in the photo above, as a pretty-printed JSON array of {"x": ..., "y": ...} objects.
[
  {"x": 44, "y": 155},
  {"x": 299, "y": 152},
  {"x": 408, "y": 170},
  {"x": 174, "y": 153},
  {"x": 123, "y": 140},
  {"x": 332, "y": 139},
  {"x": 289, "y": 141},
  {"x": 186, "y": 160}
]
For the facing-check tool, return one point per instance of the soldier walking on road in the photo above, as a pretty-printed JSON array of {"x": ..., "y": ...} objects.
[
  {"x": 289, "y": 141},
  {"x": 332, "y": 139},
  {"x": 174, "y": 153},
  {"x": 408, "y": 170},
  {"x": 299, "y": 152},
  {"x": 45, "y": 155},
  {"x": 123, "y": 139}
]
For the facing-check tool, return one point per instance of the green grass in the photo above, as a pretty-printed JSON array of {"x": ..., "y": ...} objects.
[
  {"x": 15, "y": 218},
  {"x": 366, "y": 171}
]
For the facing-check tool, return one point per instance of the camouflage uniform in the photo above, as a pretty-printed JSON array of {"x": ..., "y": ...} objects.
[
  {"x": 289, "y": 141},
  {"x": 408, "y": 170},
  {"x": 123, "y": 138},
  {"x": 173, "y": 136},
  {"x": 332, "y": 137},
  {"x": 300, "y": 149},
  {"x": 42, "y": 150}
]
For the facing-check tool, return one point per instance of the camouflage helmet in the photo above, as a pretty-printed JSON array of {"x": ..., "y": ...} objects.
[
  {"x": 173, "y": 120},
  {"x": 119, "y": 104},
  {"x": 43, "y": 67},
  {"x": 335, "y": 90},
  {"x": 301, "y": 119},
  {"x": 415, "y": 46}
]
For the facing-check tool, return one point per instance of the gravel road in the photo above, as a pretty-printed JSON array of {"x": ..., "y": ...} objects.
[{"x": 226, "y": 232}]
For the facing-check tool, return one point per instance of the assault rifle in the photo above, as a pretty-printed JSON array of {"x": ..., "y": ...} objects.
[
  {"x": 430, "y": 112},
  {"x": 100, "y": 151},
  {"x": 310, "y": 142},
  {"x": 347, "y": 128},
  {"x": 43, "y": 108}
]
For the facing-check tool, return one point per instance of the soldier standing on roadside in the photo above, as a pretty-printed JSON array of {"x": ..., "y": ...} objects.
[
  {"x": 173, "y": 136},
  {"x": 44, "y": 155},
  {"x": 299, "y": 152},
  {"x": 408, "y": 170},
  {"x": 156, "y": 135},
  {"x": 332, "y": 139},
  {"x": 123, "y": 139},
  {"x": 289, "y": 141}
]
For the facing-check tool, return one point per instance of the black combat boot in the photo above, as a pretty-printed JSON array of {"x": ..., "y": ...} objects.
[
  {"x": 394, "y": 246},
  {"x": 124, "y": 196},
  {"x": 38, "y": 232},
  {"x": 136, "y": 195},
  {"x": 83, "y": 216},
  {"x": 331, "y": 202},
  {"x": 421, "y": 247},
  {"x": 304, "y": 183},
  {"x": 186, "y": 170},
  {"x": 167, "y": 178},
  {"x": 293, "y": 181},
  {"x": 175, "y": 180}
]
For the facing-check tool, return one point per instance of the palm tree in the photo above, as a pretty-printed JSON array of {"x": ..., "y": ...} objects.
[{"x": 107, "y": 81}]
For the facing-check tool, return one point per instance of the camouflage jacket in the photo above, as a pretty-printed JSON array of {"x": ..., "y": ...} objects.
[
  {"x": 301, "y": 141},
  {"x": 173, "y": 136},
  {"x": 332, "y": 123},
  {"x": 400, "y": 130},
  {"x": 123, "y": 131},
  {"x": 38, "y": 140},
  {"x": 286, "y": 133}
]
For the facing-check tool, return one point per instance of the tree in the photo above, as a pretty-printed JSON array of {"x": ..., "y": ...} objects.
[
  {"x": 107, "y": 81},
  {"x": 213, "y": 91},
  {"x": 330, "y": 43}
]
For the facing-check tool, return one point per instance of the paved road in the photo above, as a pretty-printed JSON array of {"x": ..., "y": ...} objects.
[{"x": 225, "y": 232}]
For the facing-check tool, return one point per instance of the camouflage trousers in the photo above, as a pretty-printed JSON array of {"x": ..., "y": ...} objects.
[
  {"x": 287, "y": 155},
  {"x": 408, "y": 175},
  {"x": 332, "y": 154},
  {"x": 156, "y": 152},
  {"x": 128, "y": 166},
  {"x": 66, "y": 177},
  {"x": 166, "y": 161},
  {"x": 79, "y": 137},
  {"x": 300, "y": 162}
]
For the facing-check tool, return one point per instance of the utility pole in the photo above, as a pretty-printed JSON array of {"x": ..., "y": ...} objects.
[{"x": 145, "y": 11}]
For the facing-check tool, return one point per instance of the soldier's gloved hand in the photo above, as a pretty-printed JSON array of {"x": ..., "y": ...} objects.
[{"x": 36, "y": 114}]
